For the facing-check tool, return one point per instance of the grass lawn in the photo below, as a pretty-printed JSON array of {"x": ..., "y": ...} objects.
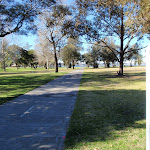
[
  {"x": 15, "y": 82},
  {"x": 110, "y": 111}
]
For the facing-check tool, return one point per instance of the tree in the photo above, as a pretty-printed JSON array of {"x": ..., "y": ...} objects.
[
  {"x": 101, "y": 19},
  {"x": 14, "y": 51},
  {"x": 18, "y": 16},
  {"x": 95, "y": 55},
  {"x": 70, "y": 53},
  {"x": 138, "y": 59},
  {"x": 4, "y": 53},
  {"x": 132, "y": 54},
  {"x": 107, "y": 56},
  {"x": 92, "y": 56},
  {"x": 87, "y": 58},
  {"x": 44, "y": 49},
  {"x": 33, "y": 59},
  {"x": 53, "y": 22}
]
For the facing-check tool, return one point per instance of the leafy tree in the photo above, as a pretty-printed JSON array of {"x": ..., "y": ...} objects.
[
  {"x": 132, "y": 54},
  {"x": 93, "y": 56},
  {"x": 18, "y": 16},
  {"x": 14, "y": 51},
  {"x": 138, "y": 59},
  {"x": 107, "y": 56},
  {"x": 70, "y": 53},
  {"x": 101, "y": 19},
  {"x": 87, "y": 59},
  {"x": 25, "y": 57},
  {"x": 20, "y": 56},
  {"x": 33, "y": 59},
  {"x": 52, "y": 28}
]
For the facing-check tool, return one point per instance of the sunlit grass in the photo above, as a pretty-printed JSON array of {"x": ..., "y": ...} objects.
[
  {"x": 15, "y": 82},
  {"x": 110, "y": 111}
]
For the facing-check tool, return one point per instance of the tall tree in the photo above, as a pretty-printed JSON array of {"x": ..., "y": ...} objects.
[
  {"x": 101, "y": 19},
  {"x": 70, "y": 53},
  {"x": 53, "y": 22},
  {"x": 18, "y": 16}
]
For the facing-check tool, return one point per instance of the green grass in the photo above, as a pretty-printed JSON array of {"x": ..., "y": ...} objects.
[
  {"x": 15, "y": 82},
  {"x": 110, "y": 111}
]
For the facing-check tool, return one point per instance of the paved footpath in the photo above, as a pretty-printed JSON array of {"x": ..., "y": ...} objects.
[{"x": 38, "y": 120}]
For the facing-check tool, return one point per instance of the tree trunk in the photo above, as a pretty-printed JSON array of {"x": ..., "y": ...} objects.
[
  {"x": 131, "y": 64},
  {"x": 47, "y": 64},
  {"x": 121, "y": 66},
  {"x": 4, "y": 66},
  {"x": 56, "y": 62},
  {"x": 55, "y": 55},
  {"x": 121, "y": 48},
  {"x": 73, "y": 64}
]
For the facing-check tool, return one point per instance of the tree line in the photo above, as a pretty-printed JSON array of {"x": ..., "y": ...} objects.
[
  {"x": 98, "y": 53},
  {"x": 16, "y": 56},
  {"x": 97, "y": 21}
]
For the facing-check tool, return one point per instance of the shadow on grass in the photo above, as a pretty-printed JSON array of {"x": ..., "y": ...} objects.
[
  {"x": 100, "y": 112},
  {"x": 95, "y": 120},
  {"x": 14, "y": 86}
]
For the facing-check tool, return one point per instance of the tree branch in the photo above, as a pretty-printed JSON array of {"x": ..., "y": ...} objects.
[{"x": 112, "y": 49}]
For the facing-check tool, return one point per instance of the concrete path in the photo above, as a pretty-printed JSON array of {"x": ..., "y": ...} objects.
[{"x": 38, "y": 120}]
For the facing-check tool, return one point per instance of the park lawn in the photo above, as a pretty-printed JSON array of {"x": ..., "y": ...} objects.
[
  {"x": 110, "y": 111},
  {"x": 15, "y": 82}
]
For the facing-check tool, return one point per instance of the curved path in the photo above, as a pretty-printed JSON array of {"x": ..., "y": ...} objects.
[{"x": 38, "y": 120}]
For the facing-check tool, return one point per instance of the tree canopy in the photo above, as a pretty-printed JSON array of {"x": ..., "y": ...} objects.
[
  {"x": 53, "y": 22},
  {"x": 119, "y": 19},
  {"x": 19, "y": 16},
  {"x": 70, "y": 53}
]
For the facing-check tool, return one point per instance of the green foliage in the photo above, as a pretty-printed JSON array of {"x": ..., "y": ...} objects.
[
  {"x": 134, "y": 54},
  {"x": 14, "y": 50},
  {"x": 19, "y": 16},
  {"x": 19, "y": 56},
  {"x": 107, "y": 56},
  {"x": 143, "y": 15},
  {"x": 93, "y": 56},
  {"x": 139, "y": 59},
  {"x": 70, "y": 53}
]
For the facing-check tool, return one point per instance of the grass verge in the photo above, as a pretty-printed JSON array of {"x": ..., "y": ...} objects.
[
  {"x": 110, "y": 111},
  {"x": 15, "y": 82}
]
